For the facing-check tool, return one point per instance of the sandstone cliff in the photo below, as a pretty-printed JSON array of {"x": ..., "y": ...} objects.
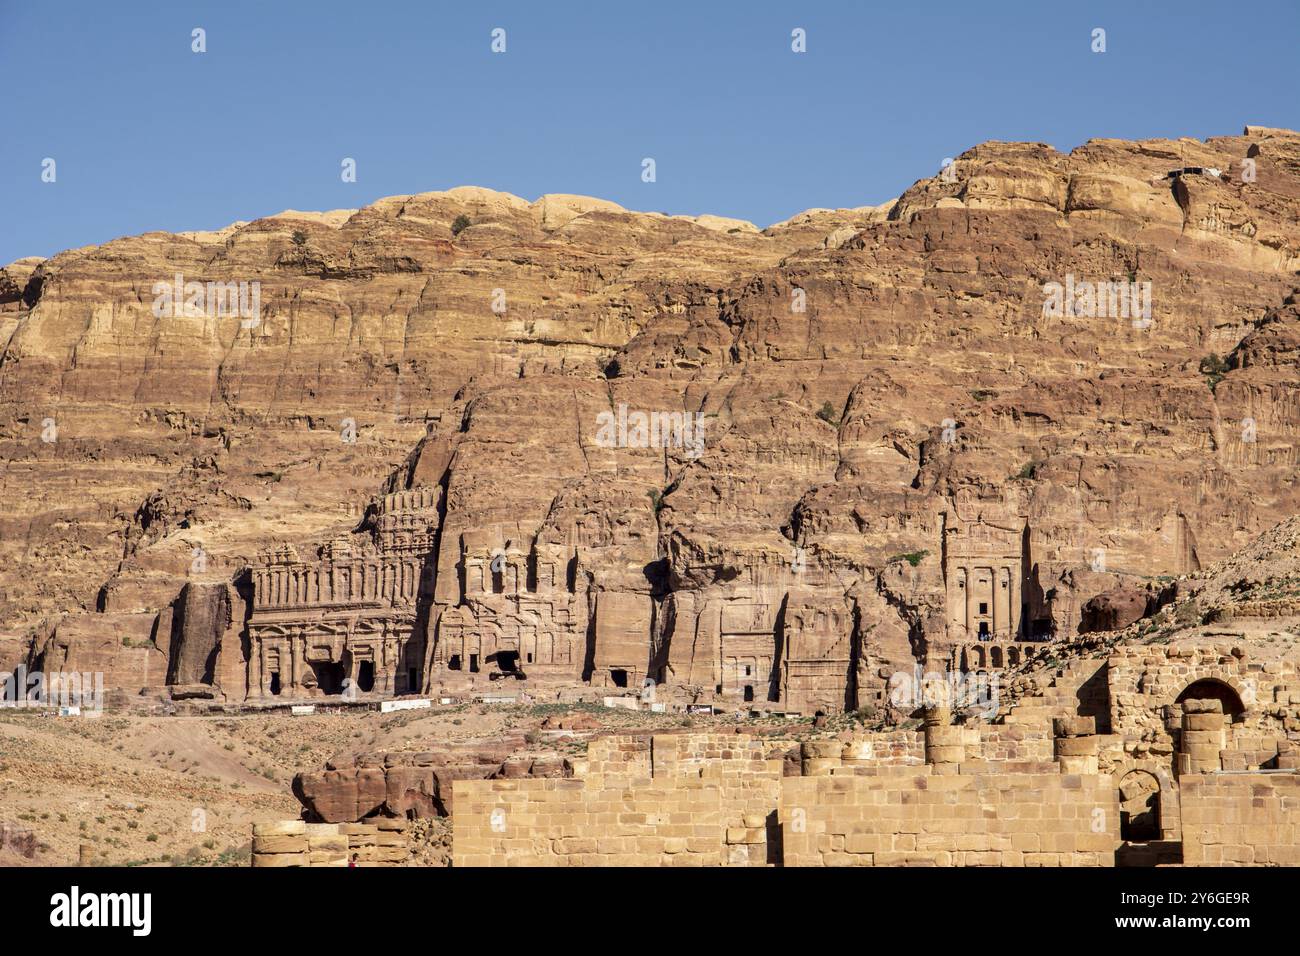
[{"x": 887, "y": 400}]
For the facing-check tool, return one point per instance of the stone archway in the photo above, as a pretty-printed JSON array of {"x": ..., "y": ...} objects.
[
  {"x": 1139, "y": 807},
  {"x": 1210, "y": 688}
]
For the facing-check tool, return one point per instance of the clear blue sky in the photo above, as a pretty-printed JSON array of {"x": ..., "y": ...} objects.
[{"x": 148, "y": 135}]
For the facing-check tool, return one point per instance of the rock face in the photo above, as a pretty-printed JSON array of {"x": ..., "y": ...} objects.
[
  {"x": 121, "y": 647},
  {"x": 415, "y": 785},
  {"x": 567, "y": 442},
  {"x": 200, "y": 620},
  {"x": 1114, "y": 610}
]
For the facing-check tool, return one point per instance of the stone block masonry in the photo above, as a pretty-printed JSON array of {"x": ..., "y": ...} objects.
[
  {"x": 726, "y": 800},
  {"x": 1241, "y": 819},
  {"x": 674, "y": 800},
  {"x": 380, "y": 842},
  {"x": 642, "y": 822},
  {"x": 721, "y": 800},
  {"x": 915, "y": 817}
]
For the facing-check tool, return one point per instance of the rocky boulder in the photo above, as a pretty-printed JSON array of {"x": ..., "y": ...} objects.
[{"x": 1115, "y": 609}]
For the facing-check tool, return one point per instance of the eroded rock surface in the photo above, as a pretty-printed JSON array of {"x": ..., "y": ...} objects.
[
  {"x": 397, "y": 474},
  {"x": 417, "y": 785}
]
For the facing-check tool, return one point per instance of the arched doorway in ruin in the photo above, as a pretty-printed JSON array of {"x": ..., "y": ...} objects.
[
  {"x": 1139, "y": 807},
  {"x": 1209, "y": 688}
]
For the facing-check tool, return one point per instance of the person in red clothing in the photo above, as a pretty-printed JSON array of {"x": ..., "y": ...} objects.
[{"x": 352, "y": 862}]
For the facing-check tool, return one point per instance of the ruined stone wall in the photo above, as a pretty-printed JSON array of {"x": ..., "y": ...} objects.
[
  {"x": 1145, "y": 682},
  {"x": 1241, "y": 819},
  {"x": 897, "y": 748},
  {"x": 643, "y": 822},
  {"x": 915, "y": 816},
  {"x": 664, "y": 755},
  {"x": 721, "y": 799},
  {"x": 1015, "y": 742},
  {"x": 724, "y": 815},
  {"x": 617, "y": 754},
  {"x": 689, "y": 800},
  {"x": 295, "y": 843},
  {"x": 728, "y": 800},
  {"x": 1143, "y": 678},
  {"x": 1248, "y": 750},
  {"x": 748, "y": 771},
  {"x": 673, "y": 754}
]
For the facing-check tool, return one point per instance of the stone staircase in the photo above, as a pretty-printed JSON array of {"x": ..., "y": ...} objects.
[{"x": 1060, "y": 698}]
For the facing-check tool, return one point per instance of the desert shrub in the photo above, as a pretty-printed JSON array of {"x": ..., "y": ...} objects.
[
  {"x": 1213, "y": 368},
  {"x": 827, "y": 414},
  {"x": 1187, "y": 615}
]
